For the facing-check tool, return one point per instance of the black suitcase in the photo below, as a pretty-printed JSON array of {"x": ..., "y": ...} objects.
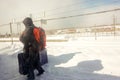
[
  {"x": 23, "y": 67},
  {"x": 43, "y": 57}
]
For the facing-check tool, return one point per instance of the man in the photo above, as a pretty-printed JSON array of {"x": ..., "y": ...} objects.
[{"x": 31, "y": 49}]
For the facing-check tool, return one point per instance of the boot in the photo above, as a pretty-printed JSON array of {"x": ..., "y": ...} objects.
[
  {"x": 31, "y": 75},
  {"x": 40, "y": 70}
]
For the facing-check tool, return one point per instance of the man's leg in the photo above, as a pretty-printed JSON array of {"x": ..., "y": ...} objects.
[
  {"x": 31, "y": 75},
  {"x": 39, "y": 68}
]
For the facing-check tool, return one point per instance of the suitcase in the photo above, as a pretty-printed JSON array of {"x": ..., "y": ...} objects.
[
  {"x": 23, "y": 67},
  {"x": 43, "y": 57}
]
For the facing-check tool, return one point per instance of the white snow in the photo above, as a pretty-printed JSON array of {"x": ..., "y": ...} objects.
[{"x": 81, "y": 58}]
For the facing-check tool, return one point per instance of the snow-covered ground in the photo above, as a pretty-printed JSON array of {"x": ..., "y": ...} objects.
[{"x": 80, "y": 58}]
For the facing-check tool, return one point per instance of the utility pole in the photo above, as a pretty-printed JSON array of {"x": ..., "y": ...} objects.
[
  {"x": 19, "y": 28},
  {"x": 95, "y": 32},
  {"x": 44, "y": 14},
  {"x": 42, "y": 20},
  {"x": 114, "y": 23},
  {"x": 31, "y": 16},
  {"x": 11, "y": 32}
]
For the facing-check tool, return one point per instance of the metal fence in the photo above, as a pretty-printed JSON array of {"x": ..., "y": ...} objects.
[{"x": 12, "y": 30}]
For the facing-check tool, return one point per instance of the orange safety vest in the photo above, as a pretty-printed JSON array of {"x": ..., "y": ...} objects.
[{"x": 40, "y": 37}]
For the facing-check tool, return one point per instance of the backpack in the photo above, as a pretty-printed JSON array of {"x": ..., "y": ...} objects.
[{"x": 40, "y": 37}]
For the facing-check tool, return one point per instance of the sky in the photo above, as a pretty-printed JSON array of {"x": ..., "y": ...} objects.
[
  {"x": 17, "y": 10},
  {"x": 11, "y": 9}
]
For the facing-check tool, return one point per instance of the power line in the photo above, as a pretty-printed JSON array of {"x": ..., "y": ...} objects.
[
  {"x": 71, "y": 5},
  {"x": 74, "y": 4},
  {"x": 86, "y": 7},
  {"x": 99, "y": 12}
]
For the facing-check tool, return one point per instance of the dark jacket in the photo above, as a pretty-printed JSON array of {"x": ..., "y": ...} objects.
[{"x": 28, "y": 39}]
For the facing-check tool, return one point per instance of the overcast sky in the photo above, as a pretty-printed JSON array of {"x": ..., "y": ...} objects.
[
  {"x": 10, "y": 9},
  {"x": 18, "y": 9}
]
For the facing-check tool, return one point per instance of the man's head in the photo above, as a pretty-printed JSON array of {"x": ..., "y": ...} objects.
[{"x": 28, "y": 22}]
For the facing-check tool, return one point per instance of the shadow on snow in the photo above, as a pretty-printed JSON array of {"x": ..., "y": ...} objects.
[{"x": 84, "y": 70}]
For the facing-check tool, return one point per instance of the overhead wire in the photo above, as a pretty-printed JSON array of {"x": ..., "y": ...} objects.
[
  {"x": 99, "y": 12},
  {"x": 69, "y": 5},
  {"x": 86, "y": 7},
  {"x": 75, "y": 15}
]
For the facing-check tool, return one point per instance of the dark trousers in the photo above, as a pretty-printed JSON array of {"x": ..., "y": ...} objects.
[{"x": 33, "y": 63}]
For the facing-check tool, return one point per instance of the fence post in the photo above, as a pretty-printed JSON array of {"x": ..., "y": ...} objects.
[
  {"x": 95, "y": 32},
  {"x": 11, "y": 32},
  {"x": 19, "y": 28}
]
